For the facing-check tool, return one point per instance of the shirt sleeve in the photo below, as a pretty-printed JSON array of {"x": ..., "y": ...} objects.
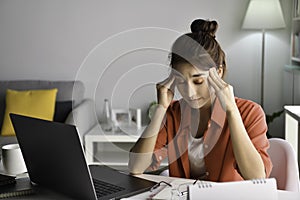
[
  {"x": 160, "y": 150},
  {"x": 257, "y": 127}
]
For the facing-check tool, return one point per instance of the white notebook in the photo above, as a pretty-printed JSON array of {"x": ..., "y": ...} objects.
[{"x": 260, "y": 189}]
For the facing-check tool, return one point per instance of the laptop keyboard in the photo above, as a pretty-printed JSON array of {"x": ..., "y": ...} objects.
[{"x": 103, "y": 188}]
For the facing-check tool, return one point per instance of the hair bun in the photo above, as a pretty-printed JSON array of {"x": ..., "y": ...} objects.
[{"x": 205, "y": 26}]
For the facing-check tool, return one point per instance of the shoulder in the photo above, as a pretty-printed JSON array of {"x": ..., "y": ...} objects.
[
  {"x": 249, "y": 110},
  {"x": 245, "y": 105},
  {"x": 176, "y": 106},
  {"x": 174, "y": 110}
]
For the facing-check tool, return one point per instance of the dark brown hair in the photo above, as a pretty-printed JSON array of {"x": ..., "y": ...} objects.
[{"x": 199, "y": 48}]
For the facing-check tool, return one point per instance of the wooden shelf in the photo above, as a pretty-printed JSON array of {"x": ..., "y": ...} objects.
[
  {"x": 296, "y": 59},
  {"x": 296, "y": 18},
  {"x": 292, "y": 67}
]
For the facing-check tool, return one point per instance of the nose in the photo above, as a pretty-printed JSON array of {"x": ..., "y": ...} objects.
[{"x": 190, "y": 90}]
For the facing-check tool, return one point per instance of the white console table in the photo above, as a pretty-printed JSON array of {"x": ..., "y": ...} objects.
[
  {"x": 292, "y": 124},
  {"x": 110, "y": 148}
]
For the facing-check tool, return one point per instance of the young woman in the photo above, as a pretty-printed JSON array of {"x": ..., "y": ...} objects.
[{"x": 209, "y": 134}]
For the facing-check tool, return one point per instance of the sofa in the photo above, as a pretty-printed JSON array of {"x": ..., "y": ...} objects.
[{"x": 71, "y": 107}]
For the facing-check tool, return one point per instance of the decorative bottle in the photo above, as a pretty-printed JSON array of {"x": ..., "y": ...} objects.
[{"x": 107, "y": 122}]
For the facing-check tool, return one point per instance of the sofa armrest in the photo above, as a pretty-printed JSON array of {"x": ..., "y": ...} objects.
[{"x": 83, "y": 117}]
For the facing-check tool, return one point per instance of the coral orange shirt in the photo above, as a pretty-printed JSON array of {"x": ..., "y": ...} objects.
[{"x": 220, "y": 163}]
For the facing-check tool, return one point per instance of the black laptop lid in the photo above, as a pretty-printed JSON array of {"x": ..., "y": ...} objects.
[{"x": 40, "y": 141}]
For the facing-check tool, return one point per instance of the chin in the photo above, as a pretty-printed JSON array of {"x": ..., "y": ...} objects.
[{"x": 199, "y": 103}]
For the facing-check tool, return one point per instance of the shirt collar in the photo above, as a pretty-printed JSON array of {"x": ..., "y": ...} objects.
[{"x": 218, "y": 114}]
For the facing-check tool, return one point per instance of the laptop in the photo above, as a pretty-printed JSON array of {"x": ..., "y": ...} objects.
[{"x": 55, "y": 159}]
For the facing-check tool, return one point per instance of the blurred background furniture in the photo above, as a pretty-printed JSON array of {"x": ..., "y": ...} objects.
[
  {"x": 108, "y": 147},
  {"x": 285, "y": 166},
  {"x": 263, "y": 15},
  {"x": 292, "y": 124},
  {"x": 291, "y": 84},
  {"x": 71, "y": 107},
  {"x": 111, "y": 148}
]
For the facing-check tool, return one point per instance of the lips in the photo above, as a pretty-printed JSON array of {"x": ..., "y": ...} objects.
[{"x": 195, "y": 99}]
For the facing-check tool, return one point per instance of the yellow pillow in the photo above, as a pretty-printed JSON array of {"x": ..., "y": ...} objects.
[{"x": 33, "y": 103}]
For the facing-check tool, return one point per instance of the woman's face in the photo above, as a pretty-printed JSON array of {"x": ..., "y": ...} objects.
[{"x": 193, "y": 85}]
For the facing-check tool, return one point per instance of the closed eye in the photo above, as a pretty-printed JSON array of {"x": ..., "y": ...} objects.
[{"x": 198, "y": 80}]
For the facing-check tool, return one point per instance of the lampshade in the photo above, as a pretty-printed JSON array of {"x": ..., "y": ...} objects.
[{"x": 263, "y": 14}]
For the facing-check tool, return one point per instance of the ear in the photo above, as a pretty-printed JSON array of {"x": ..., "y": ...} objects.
[{"x": 220, "y": 71}]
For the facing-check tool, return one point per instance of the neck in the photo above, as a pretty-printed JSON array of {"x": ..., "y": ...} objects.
[
  {"x": 207, "y": 108},
  {"x": 202, "y": 116}
]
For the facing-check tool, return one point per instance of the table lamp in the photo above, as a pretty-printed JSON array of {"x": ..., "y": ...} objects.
[{"x": 263, "y": 15}]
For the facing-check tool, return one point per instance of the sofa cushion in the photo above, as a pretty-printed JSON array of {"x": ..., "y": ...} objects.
[
  {"x": 34, "y": 103},
  {"x": 67, "y": 90}
]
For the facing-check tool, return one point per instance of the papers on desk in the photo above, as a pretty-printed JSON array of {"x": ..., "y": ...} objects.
[
  {"x": 261, "y": 189},
  {"x": 177, "y": 191}
]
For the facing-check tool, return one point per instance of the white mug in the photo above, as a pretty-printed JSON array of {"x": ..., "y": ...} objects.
[{"x": 12, "y": 159}]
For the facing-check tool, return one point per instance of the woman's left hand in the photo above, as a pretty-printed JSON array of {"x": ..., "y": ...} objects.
[{"x": 223, "y": 90}]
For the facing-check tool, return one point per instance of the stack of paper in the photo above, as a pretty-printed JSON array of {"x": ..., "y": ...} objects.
[{"x": 261, "y": 189}]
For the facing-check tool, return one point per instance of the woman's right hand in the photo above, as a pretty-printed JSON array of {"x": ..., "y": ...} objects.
[{"x": 165, "y": 91}]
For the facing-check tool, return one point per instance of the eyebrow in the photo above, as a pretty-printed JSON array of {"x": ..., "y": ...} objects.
[
  {"x": 205, "y": 74},
  {"x": 201, "y": 74}
]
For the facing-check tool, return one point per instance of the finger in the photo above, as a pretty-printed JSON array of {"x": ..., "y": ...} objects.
[
  {"x": 173, "y": 84},
  {"x": 216, "y": 78},
  {"x": 167, "y": 83},
  {"x": 213, "y": 84},
  {"x": 170, "y": 82},
  {"x": 213, "y": 80}
]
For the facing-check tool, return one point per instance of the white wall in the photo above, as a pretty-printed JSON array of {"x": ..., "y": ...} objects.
[{"x": 120, "y": 48}]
